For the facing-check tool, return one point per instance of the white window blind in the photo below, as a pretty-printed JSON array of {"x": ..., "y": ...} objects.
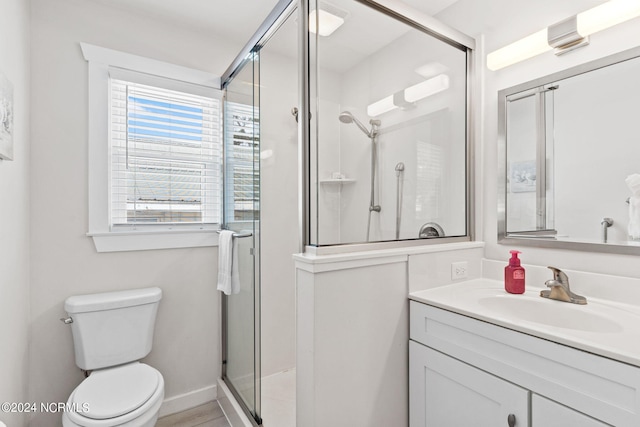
[
  {"x": 165, "y": 156},
  {"x": 243, "y": 174}
]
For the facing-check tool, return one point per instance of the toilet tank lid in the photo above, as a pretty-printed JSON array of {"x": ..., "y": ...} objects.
[{"x": 112, "y": 300}]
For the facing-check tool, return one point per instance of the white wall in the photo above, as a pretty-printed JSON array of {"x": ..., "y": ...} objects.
[
  {"x": 14, "y": 214},
  {"x": 64, "y": 261},
  {"x": 494, "y": 24}
]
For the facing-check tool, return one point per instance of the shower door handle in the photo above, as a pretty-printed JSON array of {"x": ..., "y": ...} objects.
[
  {"x": 294, "y": 113},
  {"x": 238, "y": 235}
]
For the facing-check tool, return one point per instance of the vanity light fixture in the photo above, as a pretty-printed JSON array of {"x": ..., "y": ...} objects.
[
  {"x": 408, "y": 97},
  {"x": 427, "y": 88},
  {"x": 326, "y": 22},
  {"x": 381, "y": 107},
  {"x": 566, "y": 35}
]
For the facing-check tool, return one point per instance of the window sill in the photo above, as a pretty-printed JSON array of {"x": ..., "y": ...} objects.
[{"x": 120, "y": 241}]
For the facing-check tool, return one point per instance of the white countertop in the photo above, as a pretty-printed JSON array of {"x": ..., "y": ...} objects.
[{"x": 602, "y": 327}]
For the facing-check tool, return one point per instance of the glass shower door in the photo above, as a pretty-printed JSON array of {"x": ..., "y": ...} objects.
[{"x": 241, "y": 312}]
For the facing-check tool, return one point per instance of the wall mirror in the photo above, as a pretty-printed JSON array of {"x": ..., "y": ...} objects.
[{"x": 569, "y": 147}]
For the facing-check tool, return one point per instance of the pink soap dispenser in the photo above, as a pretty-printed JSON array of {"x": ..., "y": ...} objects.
[{"x": 514, "y": 275}]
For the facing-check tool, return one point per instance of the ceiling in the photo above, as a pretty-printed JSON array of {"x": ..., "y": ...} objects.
[{"x": 236, "y": 21}]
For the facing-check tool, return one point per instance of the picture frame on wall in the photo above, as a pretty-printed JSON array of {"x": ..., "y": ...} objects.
[
  {"x": 6, "y": 118},
  {"x": 522, "y": 176}
]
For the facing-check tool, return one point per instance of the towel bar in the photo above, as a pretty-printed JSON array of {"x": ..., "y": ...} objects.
[{"x": 238, "y": 235}]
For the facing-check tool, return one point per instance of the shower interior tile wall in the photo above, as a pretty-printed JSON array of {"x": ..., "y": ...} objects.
[
  {"x": 343, "y": 208},
  {"x": 279, "y": 202},
  {"x": 331, "y": 197},
  {"x": 433, "y": 153}
]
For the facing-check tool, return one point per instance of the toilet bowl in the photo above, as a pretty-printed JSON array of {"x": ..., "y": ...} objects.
[
  {"x": 111, "y": 333},
  {"x": 127, "y": 396}
]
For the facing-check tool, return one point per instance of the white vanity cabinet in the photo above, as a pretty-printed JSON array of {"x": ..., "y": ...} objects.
[
  {"x": 545, "y": 412},
  {"x": 446, "y": 392},
  {"x": 467, "y": 372}
]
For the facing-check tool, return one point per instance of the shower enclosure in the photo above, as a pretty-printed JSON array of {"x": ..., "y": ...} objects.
[
  {"x": 385, "y": 91},
  {"x": 335, "y": 139},
  {"x": 260, "y": 195}
]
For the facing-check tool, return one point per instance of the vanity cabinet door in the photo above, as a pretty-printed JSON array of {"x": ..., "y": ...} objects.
[
  {"x": 446, "y": 392},
  {"x": 547, "y": 413}
]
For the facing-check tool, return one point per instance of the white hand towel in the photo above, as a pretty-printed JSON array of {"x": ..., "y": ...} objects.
[
  {"x": 633, "y": 182},
  {"x": 634, "y": 218},
  {"x": 228, "y": 274}
]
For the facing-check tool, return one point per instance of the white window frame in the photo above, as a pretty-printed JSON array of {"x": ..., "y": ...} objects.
[{"x": 105, "y": 239}]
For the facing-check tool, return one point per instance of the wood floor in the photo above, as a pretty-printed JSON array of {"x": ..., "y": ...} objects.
[{"x": 207, "y": 415}]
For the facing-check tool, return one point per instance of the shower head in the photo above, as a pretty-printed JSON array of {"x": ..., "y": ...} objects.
[{"x": 347, "y": 117}]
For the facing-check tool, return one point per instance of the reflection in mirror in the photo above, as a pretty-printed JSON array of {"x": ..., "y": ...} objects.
[
  {"x": 571, "y": 144},
  {"x": 529, "y": 177}
]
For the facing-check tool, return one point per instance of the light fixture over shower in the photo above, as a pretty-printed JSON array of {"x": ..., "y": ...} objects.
[
  {"x": 566, "y": 35},
  {"x": 327, "y": 22},
  {"x": 326, "y": 19}
]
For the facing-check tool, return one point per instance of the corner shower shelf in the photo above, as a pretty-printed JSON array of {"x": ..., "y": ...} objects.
[{"x": 337, "y": 181}]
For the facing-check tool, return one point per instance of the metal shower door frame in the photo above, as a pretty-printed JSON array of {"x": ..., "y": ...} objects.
[{"x": 276, "y": 18}]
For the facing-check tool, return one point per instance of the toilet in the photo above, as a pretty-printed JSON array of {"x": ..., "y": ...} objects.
[{"x": 111, "y": 332}]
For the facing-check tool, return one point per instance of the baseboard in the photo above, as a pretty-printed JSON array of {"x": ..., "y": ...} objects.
[{"x": 188, "y": 400}]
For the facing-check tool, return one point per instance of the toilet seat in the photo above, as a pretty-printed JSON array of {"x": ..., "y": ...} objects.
[{"x": 116, "y": 396}]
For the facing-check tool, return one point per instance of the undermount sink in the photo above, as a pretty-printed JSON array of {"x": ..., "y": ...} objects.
[{"x": 549, "y": 312}]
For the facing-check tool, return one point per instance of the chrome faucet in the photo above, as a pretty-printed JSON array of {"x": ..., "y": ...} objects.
[{"x": 559, "y": 288}]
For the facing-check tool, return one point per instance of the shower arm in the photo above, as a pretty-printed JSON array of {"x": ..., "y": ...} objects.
[{"x": 362, "y": 128}]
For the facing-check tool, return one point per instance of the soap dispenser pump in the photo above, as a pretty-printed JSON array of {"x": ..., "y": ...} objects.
[{"x": 514, "y": 275}]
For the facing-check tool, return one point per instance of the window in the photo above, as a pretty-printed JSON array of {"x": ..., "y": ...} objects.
[
  {"x": 165, "y": 156},
  {"x": 154, "y": 153},
  {"x": 243, "y": 179}
]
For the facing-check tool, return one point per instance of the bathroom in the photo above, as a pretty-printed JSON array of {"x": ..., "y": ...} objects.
[{"x": 46, "y": 255}]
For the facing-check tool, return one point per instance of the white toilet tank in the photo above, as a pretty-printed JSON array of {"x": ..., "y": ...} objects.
[{"x": 112, "y": 328}]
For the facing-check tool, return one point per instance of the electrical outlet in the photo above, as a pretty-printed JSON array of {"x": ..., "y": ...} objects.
[{"x": 459, "y": 270}]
